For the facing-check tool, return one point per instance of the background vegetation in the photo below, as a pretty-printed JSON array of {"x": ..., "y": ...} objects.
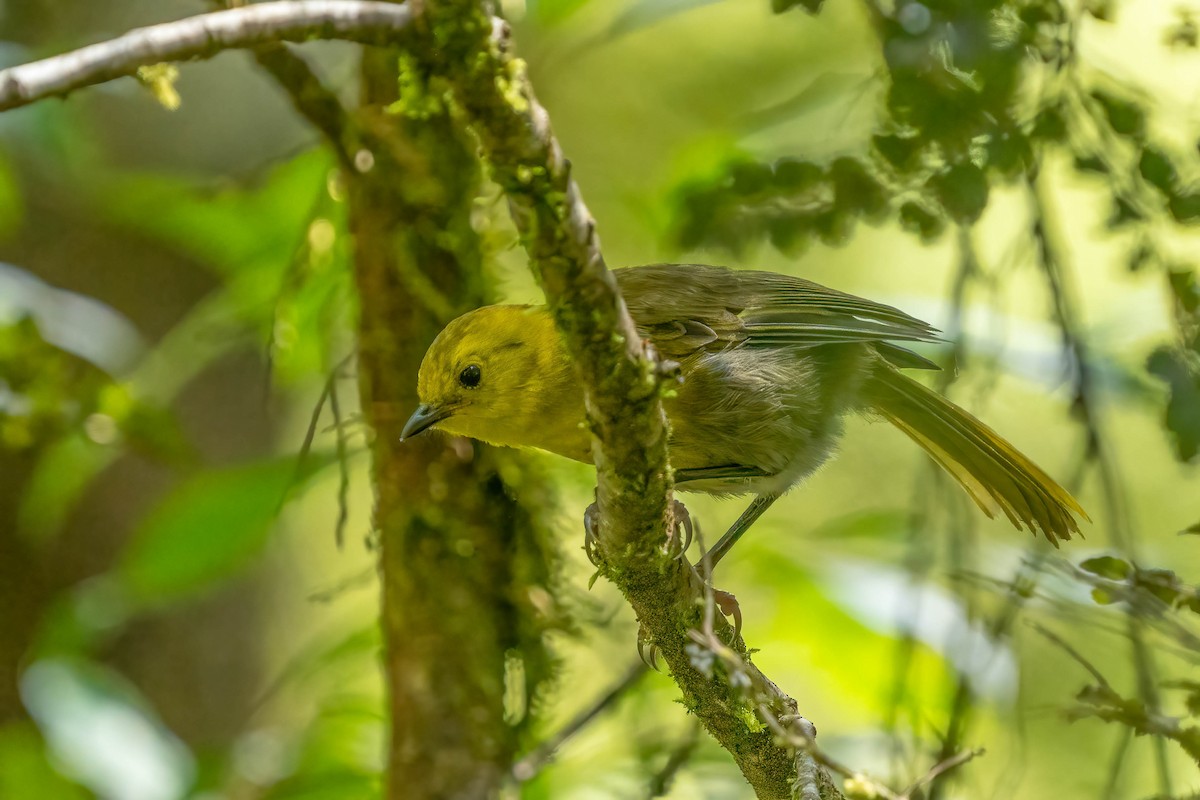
[{"x": 188, "y": 609}]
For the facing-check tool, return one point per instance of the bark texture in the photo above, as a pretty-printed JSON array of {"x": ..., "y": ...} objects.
[{"x": 464, "y": 563}]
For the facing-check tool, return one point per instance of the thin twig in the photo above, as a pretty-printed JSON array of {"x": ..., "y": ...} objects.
[
  {"x": 941, "y": 768},
  {"x": 203, "y": 36},
  {"x": 660, "y": 782},
  {"x": 528, "y": 767},
  {"x": 339, "y": 533},
  {"x": 1072, "y": 652},
  {"x": 327, "y": 394}
]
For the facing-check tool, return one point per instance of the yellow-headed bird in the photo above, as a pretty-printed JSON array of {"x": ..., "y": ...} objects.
[{"x": 770, "y": 365}]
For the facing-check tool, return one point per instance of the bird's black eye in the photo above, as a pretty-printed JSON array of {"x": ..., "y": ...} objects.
[{"x": 470, "y": 376}]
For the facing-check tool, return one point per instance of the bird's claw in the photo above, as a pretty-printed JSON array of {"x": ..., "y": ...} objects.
[
  {"x": 591, "y": 529},
  {"x": 647, "y": 650},
  {"x": 681, "y": 521},
  {"x": 729, "y": 607}
]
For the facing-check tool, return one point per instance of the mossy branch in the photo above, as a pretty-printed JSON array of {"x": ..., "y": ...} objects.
[{"x": 741, "y": 708}]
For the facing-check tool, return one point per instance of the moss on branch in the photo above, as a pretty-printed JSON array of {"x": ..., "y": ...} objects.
[{"x": 622, "y": 388}]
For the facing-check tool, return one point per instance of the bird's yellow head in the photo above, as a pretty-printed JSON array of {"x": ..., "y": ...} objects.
[{"x": 496, "y": 374}]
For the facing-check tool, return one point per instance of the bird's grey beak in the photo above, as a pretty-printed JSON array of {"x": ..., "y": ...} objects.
[{"x": 424, "y": 417}]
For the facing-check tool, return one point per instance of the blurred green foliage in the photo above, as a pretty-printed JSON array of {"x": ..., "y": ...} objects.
[{"x": 699, "y": 130}]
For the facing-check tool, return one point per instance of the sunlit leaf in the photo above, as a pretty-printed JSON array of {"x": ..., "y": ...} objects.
[
  {"x": 208, "y": 528},
  {"x": 1110, "y": 567}
]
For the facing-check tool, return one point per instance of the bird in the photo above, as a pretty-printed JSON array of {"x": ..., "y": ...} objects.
[{"x": 771, "y": 366}]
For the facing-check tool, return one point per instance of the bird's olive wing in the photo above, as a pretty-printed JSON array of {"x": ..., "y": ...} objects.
[{"x": 685, "y": 308}]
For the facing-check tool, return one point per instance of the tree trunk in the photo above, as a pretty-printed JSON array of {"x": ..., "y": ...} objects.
[{"x": 462, "y": 549}]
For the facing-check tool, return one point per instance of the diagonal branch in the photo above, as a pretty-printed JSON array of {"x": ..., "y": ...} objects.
[
  {"x": 203, "y": 36},
  {"x": 621, "y": 380}
]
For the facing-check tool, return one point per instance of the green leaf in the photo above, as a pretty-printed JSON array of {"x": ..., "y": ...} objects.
[
  {"x": 1124, "y": 117},
  {"x": 1186, "y": 289},
  {"x": 797, "y": 175},
  {"x": 1157, "y": 169},
  {"x": 1185, "y": 207},
  {"x": 962, "y": 191},
  {"x": 1009, "y": 153},
  {"x": 902, "y": 152},
  {"x": 924, "y": 222},
  {"x": 208, "y": 528},
  {"x": 1110, "y": 567},
  {"x": 789, "y": 234},
  {"x": 1122, "y": 214},
  {"x": 749, "y": 177},
  {"x": 1091, "y": 163},
  {"x": 855, "y": 189},
  {"x": 1049, "y": 126},
  {"x": 1182, "y": 418}
]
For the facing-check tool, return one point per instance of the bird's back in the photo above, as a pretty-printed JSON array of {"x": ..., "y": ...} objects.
[{"x": 770, "y": 364}]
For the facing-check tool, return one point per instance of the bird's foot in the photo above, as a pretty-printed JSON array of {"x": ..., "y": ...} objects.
[
  {"x": 647, "y": 650},
  {"x": 679, "y": 538},
  {"x": 591, "y": 534},
  {"x": 681, "y": 523},
  {"x": 729, "y": 607}
]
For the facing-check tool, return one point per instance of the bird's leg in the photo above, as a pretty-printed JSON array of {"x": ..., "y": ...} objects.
[
  {"x": 756, "y": 509},
  {"x": 725, "y": 601}
]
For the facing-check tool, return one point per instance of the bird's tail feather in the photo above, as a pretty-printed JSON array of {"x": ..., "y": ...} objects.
[{"x": 993, "y": 472}]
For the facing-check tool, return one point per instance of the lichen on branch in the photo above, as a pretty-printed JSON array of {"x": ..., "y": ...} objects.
[{"x": 621, "y": 383}]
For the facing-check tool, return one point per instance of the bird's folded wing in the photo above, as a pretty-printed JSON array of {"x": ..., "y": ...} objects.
[{"x": 685, "y": 308}]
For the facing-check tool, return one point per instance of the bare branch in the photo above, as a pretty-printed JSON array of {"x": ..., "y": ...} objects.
[{"x": 203, "y": 36}]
